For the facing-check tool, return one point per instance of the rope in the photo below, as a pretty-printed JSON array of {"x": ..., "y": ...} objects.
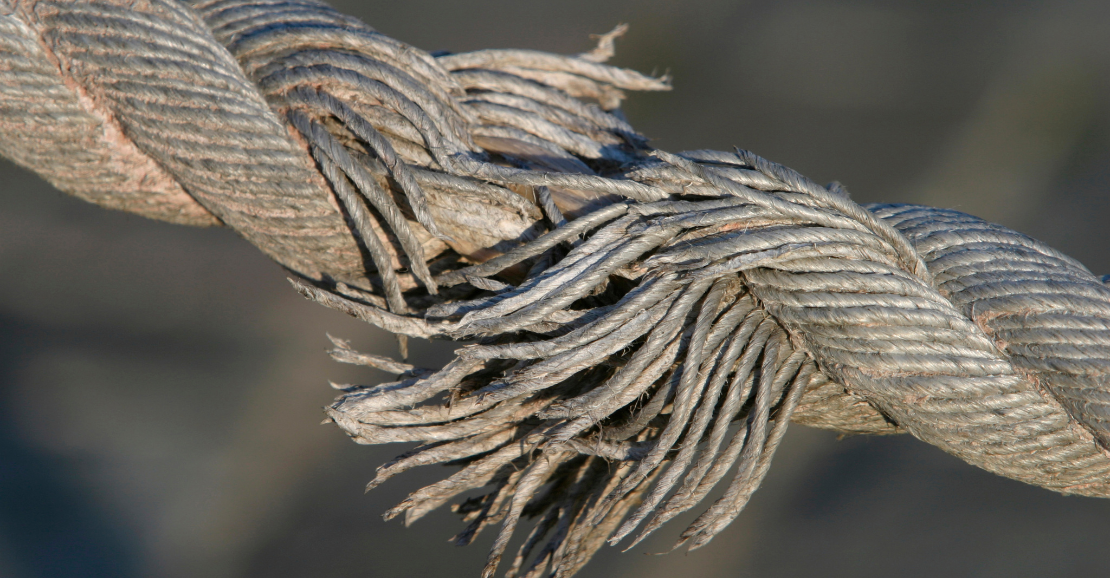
[{"x": 645, "y": 325}]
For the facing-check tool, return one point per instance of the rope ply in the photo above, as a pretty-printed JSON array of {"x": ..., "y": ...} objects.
[{"x": 642, "y": 325}]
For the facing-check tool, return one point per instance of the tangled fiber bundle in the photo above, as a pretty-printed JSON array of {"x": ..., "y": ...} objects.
[{"x": 643, "y": 325}]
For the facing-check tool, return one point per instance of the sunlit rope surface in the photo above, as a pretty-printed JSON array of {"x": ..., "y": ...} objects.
[{"x": 644, "y": 325}]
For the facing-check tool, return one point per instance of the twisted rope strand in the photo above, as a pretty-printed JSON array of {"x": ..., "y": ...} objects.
[{"x": 647, "y": 323}]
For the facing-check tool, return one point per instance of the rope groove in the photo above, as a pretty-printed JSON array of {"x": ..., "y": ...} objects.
[{"x": 645, "y": 325}]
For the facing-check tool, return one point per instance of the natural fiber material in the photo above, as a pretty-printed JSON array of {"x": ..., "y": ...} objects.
[{"x": 644, "y": 325}]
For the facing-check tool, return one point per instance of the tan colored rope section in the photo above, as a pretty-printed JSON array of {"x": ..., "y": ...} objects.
[{"x": 645, "y": 324}]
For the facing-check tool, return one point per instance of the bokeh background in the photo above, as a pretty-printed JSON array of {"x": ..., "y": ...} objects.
[{"x": 160, "y": 387}]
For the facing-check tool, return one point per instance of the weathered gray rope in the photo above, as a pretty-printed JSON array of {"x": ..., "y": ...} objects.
[{"x": 647, "y": 323}]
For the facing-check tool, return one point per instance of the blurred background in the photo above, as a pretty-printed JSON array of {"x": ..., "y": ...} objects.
[{"x": 160, "y": 387}]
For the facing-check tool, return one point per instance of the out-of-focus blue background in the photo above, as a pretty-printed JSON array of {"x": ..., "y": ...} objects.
[{"x": 160, "y": 387}]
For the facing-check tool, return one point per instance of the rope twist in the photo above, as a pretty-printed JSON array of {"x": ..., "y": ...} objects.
[{"x": 644, "y": 324}]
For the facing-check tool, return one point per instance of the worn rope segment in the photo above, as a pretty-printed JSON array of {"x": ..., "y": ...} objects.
[{"x": 644, "y": 325}]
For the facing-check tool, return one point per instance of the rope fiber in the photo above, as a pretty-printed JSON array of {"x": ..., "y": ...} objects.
[{"x": 643, "y": 325}]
